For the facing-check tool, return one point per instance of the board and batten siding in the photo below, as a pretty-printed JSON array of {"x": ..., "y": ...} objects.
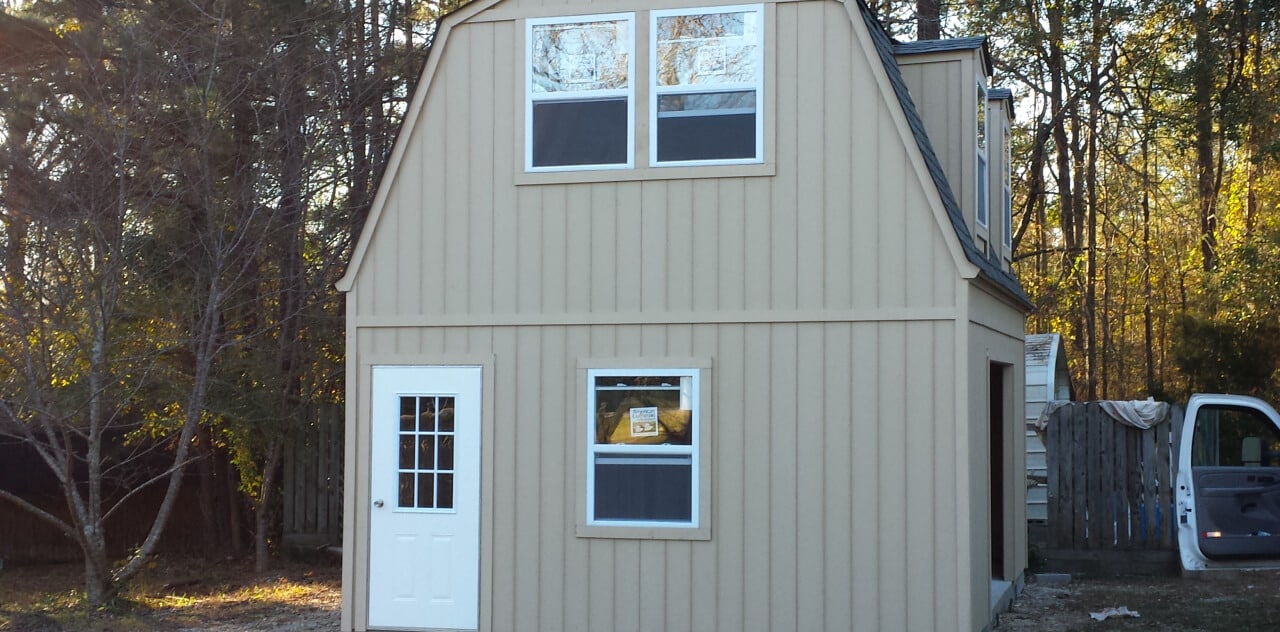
[
  {"x": 994, "y": 337},
  {"x": 844, "y": 224},
  {"x": 824, "y": 296},
  {"x": 938, "y": 84},
  {"x": 829, "y": 510}
]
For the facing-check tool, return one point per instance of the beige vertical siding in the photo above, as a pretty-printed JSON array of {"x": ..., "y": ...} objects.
[
  {"x": 996, "y": 336},
  {"x": 942, "y": 86},
  {"x": 825, "y": 295},
  {"x": 825, "y": 509}
]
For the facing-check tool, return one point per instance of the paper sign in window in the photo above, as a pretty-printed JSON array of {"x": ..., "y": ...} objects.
[{"x": 644, "y": 422}]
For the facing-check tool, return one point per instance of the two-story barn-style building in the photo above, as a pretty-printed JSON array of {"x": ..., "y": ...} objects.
[{"x": 673, "y": 315}]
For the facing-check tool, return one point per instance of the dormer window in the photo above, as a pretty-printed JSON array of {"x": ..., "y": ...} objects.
[
  {"x": 707, "y": 75},
  {"x": 581, "y": 99},
  {"x": 981, "y": 211},
  {"x": 1006, "y": 182}
]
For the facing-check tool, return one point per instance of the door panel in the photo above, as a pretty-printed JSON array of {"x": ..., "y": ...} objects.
[
  {"x": 1238, "y": 511},
  {"x": 424, "y": 525},
  {"x": 1230, "y": 459}
]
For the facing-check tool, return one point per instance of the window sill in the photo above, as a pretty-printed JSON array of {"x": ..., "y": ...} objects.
[
  {"x": 674, "y": 172},
  {"x": 643, "y": 533}
]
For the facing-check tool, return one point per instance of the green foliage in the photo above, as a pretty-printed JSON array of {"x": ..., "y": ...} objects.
[
  {"x": 1227, "y": 357},
  {"x": 1233, "y": 343}
]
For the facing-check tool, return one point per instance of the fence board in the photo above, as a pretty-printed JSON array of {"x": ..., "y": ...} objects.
[
  {"x": 1080, "y": 476},
  {"x": 1150, "y": 463},
  {"x": 1055, "y": 514},
  {"x": 1133, "y": 487}
]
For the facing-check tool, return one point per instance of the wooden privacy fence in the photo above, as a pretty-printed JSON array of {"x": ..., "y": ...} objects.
[
  {"x": 1110, "y": 491},
  {"x": 313, "y": 480}
]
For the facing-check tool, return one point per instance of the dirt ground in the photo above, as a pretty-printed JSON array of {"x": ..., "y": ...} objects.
[
  {"x": 177, "y": 595},
  {"x": 194, "y": 595},
  {"x": 1237, "y": 602}
]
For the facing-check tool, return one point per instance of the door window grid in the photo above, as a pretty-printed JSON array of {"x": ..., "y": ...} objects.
[{"x": 426, "y": 456}]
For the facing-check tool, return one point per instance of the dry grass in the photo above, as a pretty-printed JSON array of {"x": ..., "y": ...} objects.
[{"x": 175, "y": 595}]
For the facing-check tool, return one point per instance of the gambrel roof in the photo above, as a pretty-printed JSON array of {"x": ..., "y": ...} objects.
[{"x": 989, "y": 266}]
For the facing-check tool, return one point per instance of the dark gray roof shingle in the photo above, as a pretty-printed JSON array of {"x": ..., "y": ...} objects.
[
  {"x": 938, "y": 45},
  {"x": 885, "y": 46}
]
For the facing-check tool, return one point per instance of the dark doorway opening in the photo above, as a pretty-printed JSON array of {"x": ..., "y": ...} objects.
[{"x": 995, "y": 433}]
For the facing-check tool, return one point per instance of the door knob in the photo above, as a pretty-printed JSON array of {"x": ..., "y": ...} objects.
[{"x": 378, "y": 503}]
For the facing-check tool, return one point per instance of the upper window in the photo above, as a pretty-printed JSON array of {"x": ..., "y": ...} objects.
[
  {"x": 580, "y": 110},
  {"x": 982, "y": 154},
  {"x": 706, "y": 86},
  {"x": 643, "y": 441}
]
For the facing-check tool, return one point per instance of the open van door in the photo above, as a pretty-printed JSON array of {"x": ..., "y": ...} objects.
[{"x": 1228, "y": 485}]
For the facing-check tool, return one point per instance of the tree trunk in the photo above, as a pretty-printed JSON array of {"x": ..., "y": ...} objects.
[
  {"x": 1091, "y": 187},
  {"x": 1202, "y": 100},
  {"x": 928, "y": 19},
  {"x": 266, "y": 500}
]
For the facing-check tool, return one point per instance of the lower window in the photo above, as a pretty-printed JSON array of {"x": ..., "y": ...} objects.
[
  {"x": 642, "y": 435},
  {"x": 710, "y": 126},
  {"x": 584, "y": 132}
]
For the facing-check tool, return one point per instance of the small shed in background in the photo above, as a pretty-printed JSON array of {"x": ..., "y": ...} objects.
[{"x": 1047, "y": 381}]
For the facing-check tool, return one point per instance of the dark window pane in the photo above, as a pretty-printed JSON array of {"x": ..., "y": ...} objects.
[
  {"x": 406, "y": 452},
  {"x": 580, "y": 133},
  {"x": 426, "y": 452},
  {"x": 406, "y": 491},
  {"x": 446, "y": 414},
  {"x": 406, "y": 412},
  {"x": 709, "y": 126},
  {"x": 444, "y": 498},
  {"x": 427, "y": 419},
  {"x": 643, "y": 488},
  {"x": 426, "y": 491},
  {"x": 446, "y": 453},
  {"x": 719, "y": 137}
]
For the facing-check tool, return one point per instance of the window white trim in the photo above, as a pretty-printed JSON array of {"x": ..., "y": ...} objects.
[
  {"x": 691, "y": 396},
  {"x": 757, "y": 86},
  {"x": 982, "y": 139},
  {"x": 530, "y": 98}
]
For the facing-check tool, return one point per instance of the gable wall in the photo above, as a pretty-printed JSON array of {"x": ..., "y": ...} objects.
[{"x": 843, "y": 225}]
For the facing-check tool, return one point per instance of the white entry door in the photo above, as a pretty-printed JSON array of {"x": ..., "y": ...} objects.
[{"x": 424, "y": 525}]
